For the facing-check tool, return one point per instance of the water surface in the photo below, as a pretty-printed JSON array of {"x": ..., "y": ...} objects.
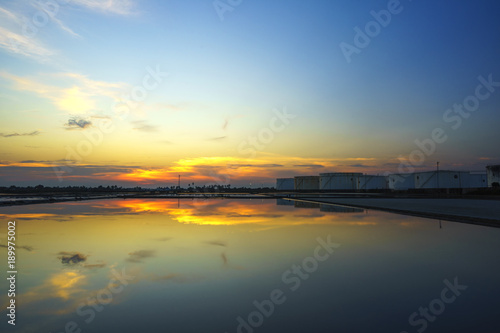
[{"x": 247, "y": 266}]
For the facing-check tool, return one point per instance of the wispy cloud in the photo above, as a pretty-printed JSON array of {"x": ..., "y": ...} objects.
[
  {"x": 70, "y": 92},
  {"x": 309, "y": 166},
  {"x": 13, "y": 40},
  {"x": 142, "y": 126},
  {"x": 19, "y": 44},
  {"x": 360, "y": 166},
  {"x": 19, "y": 134},
  {"x": 117, "y": 7},
  {"x": 8, "y": 14},
  {"x": 13, "y": 20},
  {"x": 54, "y": 19},
  {"x": 220, "y": 138},
  {"x": 226, "y": 123}
]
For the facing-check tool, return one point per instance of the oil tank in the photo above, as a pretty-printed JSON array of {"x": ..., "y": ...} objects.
[
  {"x": 401, "y": 181},
  {"x": 285, "y": 184},
  {"x": 477, "y": 180},
  {"x": 368, "y": 182},
  {"x": 306, "y": 183},
  {"x": 442, "y": 179},
  {"x": 493, "y": 172},
  {"x": 339, "y": 181}
]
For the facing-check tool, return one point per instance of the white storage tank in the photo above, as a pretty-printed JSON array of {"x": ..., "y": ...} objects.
[
  {"x": 401, "y": 181},
  {"x": 367, "y": 182},
  {"x": 339, "y": 181},
  {"x": 477, "y": 180},
  {"x": 306, "y": 183},
  {"x": 442, "y": 179},
  {"x": 285, "y": 184},
  {"x": 493, "y": 172}
]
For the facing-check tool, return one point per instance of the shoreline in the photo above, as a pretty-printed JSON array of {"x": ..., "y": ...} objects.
[
  {"x": 484, "y": 212},
  {"x": 472, "y": 210}
]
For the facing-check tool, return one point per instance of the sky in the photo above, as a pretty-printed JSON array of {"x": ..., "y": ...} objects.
[{"x": 135, "y": 93}]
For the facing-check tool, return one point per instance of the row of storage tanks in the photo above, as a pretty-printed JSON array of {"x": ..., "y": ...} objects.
[{"x": 418, "y": 180}]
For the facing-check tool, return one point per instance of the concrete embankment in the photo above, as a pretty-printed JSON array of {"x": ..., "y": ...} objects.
[{"x": 482, "y": 212}]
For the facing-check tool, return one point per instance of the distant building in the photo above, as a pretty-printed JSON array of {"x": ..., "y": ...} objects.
[
  {"x": 306, "y": 183},
  {"x": 368, "y": 182},
  {"x": 477, "y": 180},
  {"x": 354, "y": 181},
  {"x": 442, "y": 179},
  {"x": 401, "y": 181},
  {"x": 493, "y": 172},
  {"x": 285, "y": 184},
  {"x": 339, "y": 181}
]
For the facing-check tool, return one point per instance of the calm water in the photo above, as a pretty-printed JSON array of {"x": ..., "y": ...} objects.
[{"x": 247, "y": 266}]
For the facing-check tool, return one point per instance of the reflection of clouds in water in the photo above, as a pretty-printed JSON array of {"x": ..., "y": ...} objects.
[
  {"x": 226, "y": 264},
  {"x": 312, "y": 215},
  {"x": 71, "y": 258},
  {"x": 57, "y": 290},
  {"x": 94, "y": 266},
  {"x": 61, "y": 293},
  {"x": 216, "y": 243},
  {"x": 164, "y": 239},
  {"x": 238, "y": 215},
  {"x": 224, "y": 258},
  {"x": 66, "y": 284},
  {"x": 173, "y": 277},
  {"x": 24, "y": 247},
  {"x": 138, "y": 256},
  {"x": 77, "y": 258}
]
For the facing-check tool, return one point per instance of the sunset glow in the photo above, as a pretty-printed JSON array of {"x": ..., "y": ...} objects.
[{"x": 221, "y": 101}]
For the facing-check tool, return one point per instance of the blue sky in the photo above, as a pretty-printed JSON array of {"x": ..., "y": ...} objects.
[{"x": 225, "y": 78}]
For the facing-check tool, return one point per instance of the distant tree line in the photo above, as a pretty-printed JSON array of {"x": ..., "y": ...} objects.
[{"x": 41, "y": 189}]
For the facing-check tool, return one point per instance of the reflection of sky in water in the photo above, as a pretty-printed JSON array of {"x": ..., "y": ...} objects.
[{"x": 198, "y": 265}]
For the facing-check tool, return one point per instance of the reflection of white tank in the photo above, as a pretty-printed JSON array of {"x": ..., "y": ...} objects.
[
  {"x": 305, "y": 204},
  {"x": 339, "y": 181},
  {"x": 306, "y": 183},
  {"x": 285, "y": 184},
  {"x": 339, "y": 209},
  {"x": 283, "y": 202},
  {"x": 493, "y": 172}
]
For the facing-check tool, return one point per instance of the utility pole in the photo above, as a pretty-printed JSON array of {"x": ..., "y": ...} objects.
[{"x": 179, "y": 184}]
